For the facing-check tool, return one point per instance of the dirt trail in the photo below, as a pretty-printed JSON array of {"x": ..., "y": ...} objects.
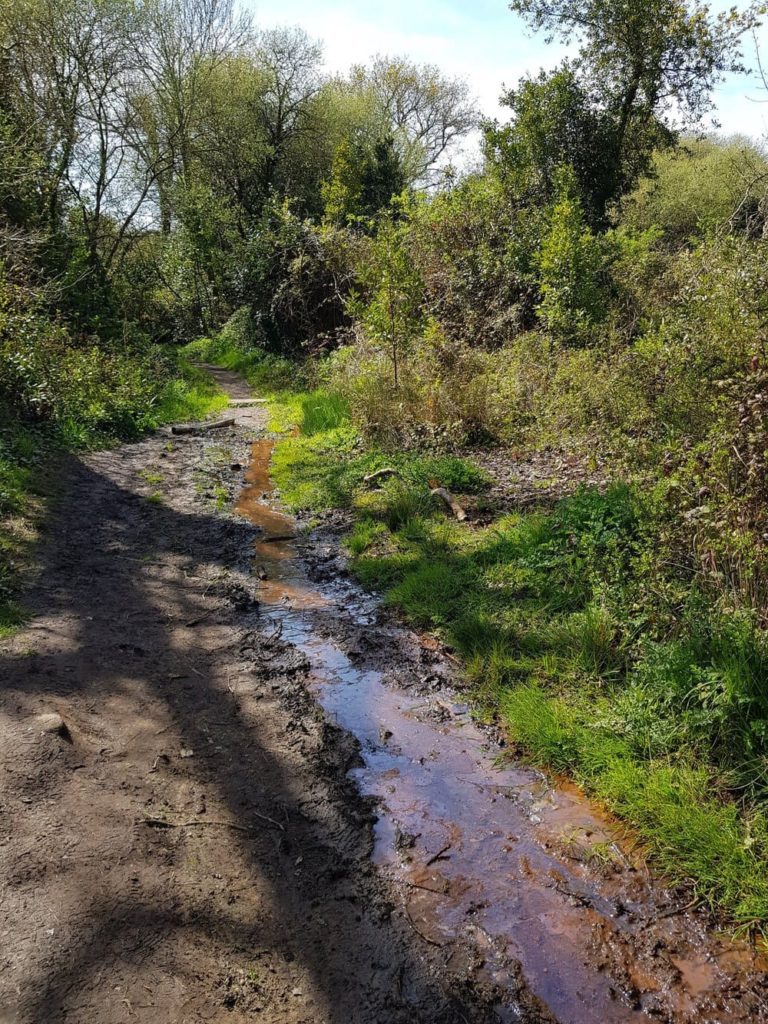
[
  {"x": 190, "y": 843},
  {"x": 260, "y": 900}
]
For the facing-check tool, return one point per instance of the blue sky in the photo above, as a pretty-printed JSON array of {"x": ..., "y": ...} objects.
[{"x": 480, "y": 40}]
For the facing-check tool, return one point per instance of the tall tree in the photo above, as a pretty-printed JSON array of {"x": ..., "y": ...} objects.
[
  {"x": 424, "y": 110},
  {"x": 555, "y": 125},
  {"x": 645, "y": 63},
  {"x": 183, "y": 45},
  {"x": 291, "y": 63}
]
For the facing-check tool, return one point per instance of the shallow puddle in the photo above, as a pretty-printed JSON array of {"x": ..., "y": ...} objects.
[{"x": 487, "y": 851}]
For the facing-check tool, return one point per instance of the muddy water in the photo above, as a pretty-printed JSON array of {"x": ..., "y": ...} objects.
[{"x": 489, "y": 855}]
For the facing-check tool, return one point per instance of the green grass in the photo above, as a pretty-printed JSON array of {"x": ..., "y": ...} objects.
[
  {"x": 12, "y": 618},
  {"x": 525, "y": 605},
  {"x": 695, "y": 834},
  {"x": 192, "y": 395},
  {"x": 327, "y": 470},
  {"x": 656, "y": 704},
  {"x": 321, "y": 412},
  {"x": 260, "y": 369}
]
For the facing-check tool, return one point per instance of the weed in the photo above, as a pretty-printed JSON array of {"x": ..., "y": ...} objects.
[
  {"x": 152, "y": 477},
  {"x": 12, "y": 617}
]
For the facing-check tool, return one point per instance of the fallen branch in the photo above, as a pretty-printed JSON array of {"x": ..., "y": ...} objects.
[
  {"x": 245, "y": 403},
  {"x": 194, "y": 428},
  {"x": 426, "y": 888},
  {"x": 380, "y": 474},
  {"x": 680, "y": 910},
  {"x": 440, "y": 855},
  {"x": 162, "y": 823},
  {"x": 447, "y": 498}
]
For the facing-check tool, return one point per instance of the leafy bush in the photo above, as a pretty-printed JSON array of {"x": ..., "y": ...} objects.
[
  {"x": 704, "y": 184},
  {"x": 569, "y": 264},
  {"x": 295, "y": 277}
]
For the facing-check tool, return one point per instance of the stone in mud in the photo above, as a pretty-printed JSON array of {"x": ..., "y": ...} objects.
[{"x": 52, "y": 724}]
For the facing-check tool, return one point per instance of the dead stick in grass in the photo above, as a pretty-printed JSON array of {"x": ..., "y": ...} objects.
[
  {"x": 380, "y": 474},
  {"x": 450, "y": 502}
]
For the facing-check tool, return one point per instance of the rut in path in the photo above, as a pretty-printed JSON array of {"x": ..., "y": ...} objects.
[
  {"x": 189, "y": 846},
  {"x": 259, "y": 902}
]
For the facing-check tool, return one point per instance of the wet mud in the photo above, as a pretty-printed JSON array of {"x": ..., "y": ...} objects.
[
  {"x": 181, "y": 842},
  {"x": 234, "y": 788},
  {"x": 488, "y": 855}
]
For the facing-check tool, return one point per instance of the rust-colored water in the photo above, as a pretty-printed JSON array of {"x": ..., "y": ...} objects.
[
  {"x": 283, "y": 581},
  {"x": 490, "y": 852}
]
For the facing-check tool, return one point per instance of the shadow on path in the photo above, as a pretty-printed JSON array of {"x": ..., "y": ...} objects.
[{"x": 138, "y": 639}]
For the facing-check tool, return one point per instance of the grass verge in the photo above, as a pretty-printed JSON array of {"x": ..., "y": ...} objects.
[{"x": 602, "y": 662}]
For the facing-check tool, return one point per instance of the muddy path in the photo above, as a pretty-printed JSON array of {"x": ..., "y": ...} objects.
[{"x": 265, "y": 799}]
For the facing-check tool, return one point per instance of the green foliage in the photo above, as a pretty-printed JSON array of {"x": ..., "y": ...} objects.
[
  {"x": 325, "y": 465},
  {"x": 703, "y": 185},
  {"x": 86, "y": 395},
  {"x": 389, "y": 306},
  {"x": 363, "y": 181},
  {"x": 190, "y": 395},
  {"x": 569, "y": 266},
  {"x": 475, "y": 249},
  {"x": 555, "y": 129},
  {"x": 637, "y": 61},
  {"x": 295, "y": 277}
]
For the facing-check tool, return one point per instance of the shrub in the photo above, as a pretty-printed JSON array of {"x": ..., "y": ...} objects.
[
  {"x": 703, "y": 184},
  {"x": 569, "y": 265}
]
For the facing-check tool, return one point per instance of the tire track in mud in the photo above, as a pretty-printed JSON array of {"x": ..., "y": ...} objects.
[
  {"x": 183, "y": 843},
  {"x": 190, "y": 843}
]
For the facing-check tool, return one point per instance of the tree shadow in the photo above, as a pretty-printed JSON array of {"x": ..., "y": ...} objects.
[{"x": 113, "y": 621}]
